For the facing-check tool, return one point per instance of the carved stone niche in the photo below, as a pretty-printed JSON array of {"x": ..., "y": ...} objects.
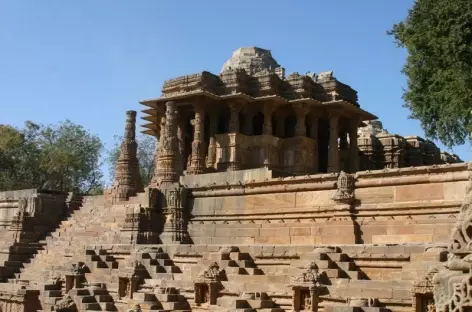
[
  {"x": 207, "y": 285},
  {"x": 345, "y": 189},
  {"x": 130, "y": 278},
  {"x": 422, "y": 292},
  {"x": 75, "y": 276},
  {"x": 306, "y": 289}
]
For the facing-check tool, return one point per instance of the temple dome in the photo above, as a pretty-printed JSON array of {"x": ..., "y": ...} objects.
[{"x": 251, "y": 59}]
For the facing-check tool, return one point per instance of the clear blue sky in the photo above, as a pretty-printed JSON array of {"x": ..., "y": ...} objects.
[{"x": 89, "y": 61}]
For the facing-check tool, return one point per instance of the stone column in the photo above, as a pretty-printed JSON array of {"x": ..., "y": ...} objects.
[
  {"x": 234, "y": 118},
  {"x": 333, "y": 154},
  {"x": 211, "y": 157},
  {"x": 181, "y": 142},
  {"x": 280, "y": 129},
  {"x": 268, "y": 110},
  {"x": 314, "y": 299},
  {"x": 168, "y": 155},
  {"x": 248, "y": 129},
  {"x": 234, "y": 161},
  {"x": 161, "y": 119},
  {"x": 353, "y": 150},
  {"x": 197, "y": 163},
  {"x": 301, "y": 112},
  {"x": 127, "y": 176},
  {"x": 314, "y": 136}
]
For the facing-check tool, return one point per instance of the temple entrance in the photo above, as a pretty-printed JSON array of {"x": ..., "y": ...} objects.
[
  {"x": 124, "y": 287},
  {"x": 305, "y": 300},
  {"x": 202, "y": 294}
]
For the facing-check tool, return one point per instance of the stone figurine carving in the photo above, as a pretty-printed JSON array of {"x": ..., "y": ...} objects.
[{"x": 345, "y": 188}]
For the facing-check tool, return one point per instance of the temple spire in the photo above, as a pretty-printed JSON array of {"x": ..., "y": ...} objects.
[{"x": 127, "y": 176}]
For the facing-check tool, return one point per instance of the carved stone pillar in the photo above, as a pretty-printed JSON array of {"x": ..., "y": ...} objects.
[
  {"x": 333, "y": 155},
  {"x": 127, "y": 176},
  {"x": 211, "y": 156},
  {"x": 234, "y": 162},
  {"x": 197, "y": 164},
  {"x": 268, "y": 110},
  {"x": 181, "y": 139},
  {"x": 353, "y": 150},
  {"x": 161, "y": 139},
  {"x": 248, "y": 129},
  {"x": 167, "y": 170},
  {"x": 314, "y": 135},
  {"x": 280, "y": 127},
  {"x": 173, "y": 203},
  {"x": 234, "y": 118},
  {"x": 314, "y": 299},
  {"x": 301, "y": 112}
]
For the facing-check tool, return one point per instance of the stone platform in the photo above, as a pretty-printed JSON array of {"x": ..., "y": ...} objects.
[{"x": 257, "y": 243}]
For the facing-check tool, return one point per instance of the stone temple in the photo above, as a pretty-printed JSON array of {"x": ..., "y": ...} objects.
[{"x": 271, "y": 193}]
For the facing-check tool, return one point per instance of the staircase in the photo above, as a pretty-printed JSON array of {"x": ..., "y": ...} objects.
[
  {"x": 160, "y": 299},
  {"x": 92, "y": 224},
  {"x": 334, "y": 263},
  {"x": 159, "y": 265},
  {"x": 234, "y": 263}
]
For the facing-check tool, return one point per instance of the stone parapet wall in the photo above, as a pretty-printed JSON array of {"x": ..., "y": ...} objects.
[{"x": 408, "y": 205}]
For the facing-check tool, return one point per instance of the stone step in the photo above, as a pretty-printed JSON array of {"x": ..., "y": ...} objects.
[
  {"x": 107, "y": 306},
  {"x": 338, "y": 256},
  {"x": 139, "y": 296},
  {"x": 84, "y": 298},
  {"x": 172, "y": 306},
  {"x": 254, "y": 271},
  {"x": 245, "y": 263},
  {"x": 52, "y": 293},
  {"x": 103, "y": 298},
  {"x": 240, "y": 256},
  {"x": 170, "y": 297},
  {"x": 346, "y": 266},
  {"x": 91, "y": 306},
  {"x": 261, "y": 304}
]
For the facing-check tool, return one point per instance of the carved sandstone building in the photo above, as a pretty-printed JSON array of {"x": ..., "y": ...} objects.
[{"x": 271, "y": 193}]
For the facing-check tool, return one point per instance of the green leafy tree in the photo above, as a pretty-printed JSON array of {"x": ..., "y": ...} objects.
[
  {"x": 64, "y": 157},
  {"x": 146, "y": 155},
  {"x": 438, "y": 37}
]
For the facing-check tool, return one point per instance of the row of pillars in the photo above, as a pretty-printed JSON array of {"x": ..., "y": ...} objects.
[{"x": 170, "y": 155}]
